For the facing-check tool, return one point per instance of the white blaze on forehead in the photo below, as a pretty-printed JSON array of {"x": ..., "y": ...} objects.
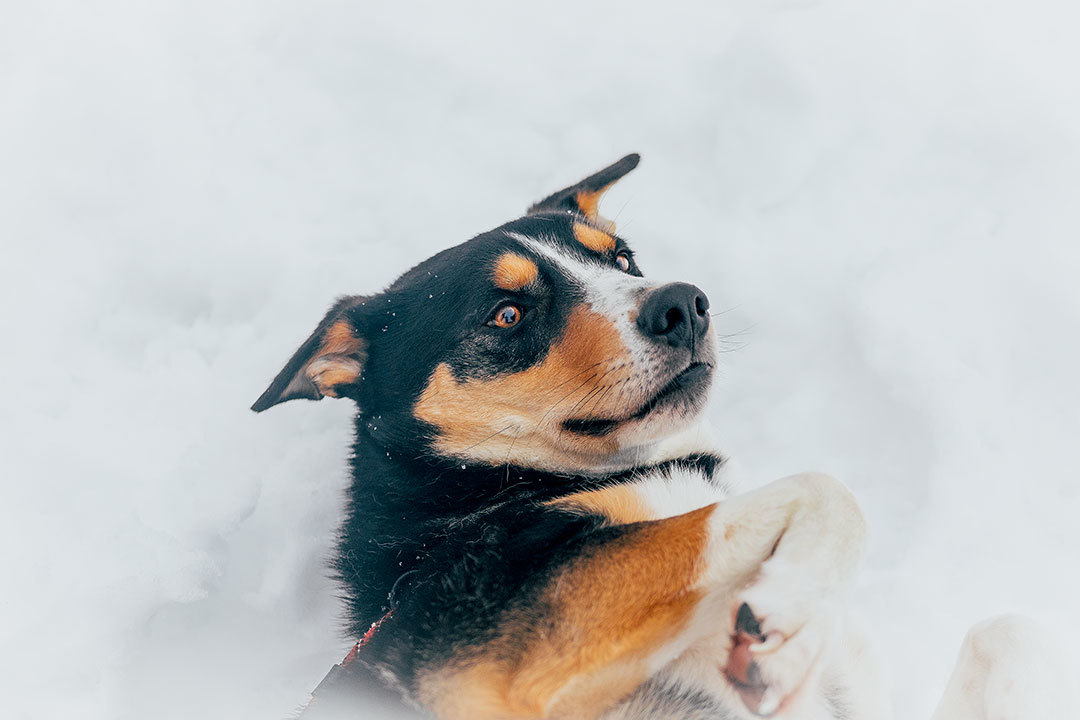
[
  {"x": 609, "y": 292},
  {"x": 607, "y": 289}
]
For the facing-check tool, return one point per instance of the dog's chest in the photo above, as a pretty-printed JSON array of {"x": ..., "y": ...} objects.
[{"x": 677, "y": 492}]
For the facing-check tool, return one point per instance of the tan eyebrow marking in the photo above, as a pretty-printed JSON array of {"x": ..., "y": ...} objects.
[
  {"x": 513, "y": 272},
  {"x": 596, "y": 240}
]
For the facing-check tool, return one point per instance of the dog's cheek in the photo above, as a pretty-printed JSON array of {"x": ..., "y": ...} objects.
[{"x": 521, "y": 411}]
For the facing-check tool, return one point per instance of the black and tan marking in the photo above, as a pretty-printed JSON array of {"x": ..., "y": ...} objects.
[
  {"x": 514, "y": 272},
  {"x": 330, "y": 361},
  {"x": 584, "y": 197},
  {"x": 497, "y": 460},
  {"x": 585, "y": 638},
  {"x": 520, "y": 412},
  {"x": 594, "y": 239}
]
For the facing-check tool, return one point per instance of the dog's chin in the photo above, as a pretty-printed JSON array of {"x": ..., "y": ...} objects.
[
  {"x": 668, "y": 410},
  {"x": 664, "y": 422}
]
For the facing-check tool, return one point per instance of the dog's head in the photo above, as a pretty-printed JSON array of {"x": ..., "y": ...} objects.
[{"x": 538, "y": 344}]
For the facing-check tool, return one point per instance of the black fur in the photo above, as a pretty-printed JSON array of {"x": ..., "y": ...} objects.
[
  {"x": 566, "y": 199},
  {"x": 454, "y": 543},
  {"x": 463, "y": 541}
]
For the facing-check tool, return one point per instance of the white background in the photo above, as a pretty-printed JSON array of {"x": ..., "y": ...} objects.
[{"x": 883, "y": 194}]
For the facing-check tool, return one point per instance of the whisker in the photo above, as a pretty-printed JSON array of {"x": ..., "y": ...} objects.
[
  {"x": 579, "y": 403},
  {"x": 722, "y": 312},
  {"x": 583, "y": 384},
  {"x": 598, "y": 399},
  {"x": 745, "y": 330},
  {"x": 544, "y": 417},
  {"x": 497, "y": 432},
  {"x": 556, "y": 387},
  {"x": 615, "y": 220},
  {"x": 506, "y": 460}
]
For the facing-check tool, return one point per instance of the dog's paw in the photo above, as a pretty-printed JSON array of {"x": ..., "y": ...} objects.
[{"x": 780, "y": 634}]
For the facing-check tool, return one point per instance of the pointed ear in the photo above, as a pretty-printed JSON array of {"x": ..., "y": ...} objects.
[
  {"x": 585, "y": 196},
  {"x": 328, "y": 363}
]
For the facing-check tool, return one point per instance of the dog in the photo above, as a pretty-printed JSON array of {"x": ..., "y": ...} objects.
[{"x": 538, "y": 524}]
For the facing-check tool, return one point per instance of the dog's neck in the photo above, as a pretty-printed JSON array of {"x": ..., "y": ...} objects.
[
  {"x": 464, "y": 485},
  {"x": 392, "y": 476},
  {"x": 400, "y": 502},
  {"x": 402, "y": 444}
]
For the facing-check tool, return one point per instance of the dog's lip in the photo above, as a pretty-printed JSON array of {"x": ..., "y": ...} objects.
[{"x": 687, "y": 378}]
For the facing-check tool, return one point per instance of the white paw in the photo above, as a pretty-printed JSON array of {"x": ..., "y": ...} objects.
[{"x": 783, "y": 625}]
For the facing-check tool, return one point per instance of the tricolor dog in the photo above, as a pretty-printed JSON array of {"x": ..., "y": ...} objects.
[{"x": 537, "y": 525}]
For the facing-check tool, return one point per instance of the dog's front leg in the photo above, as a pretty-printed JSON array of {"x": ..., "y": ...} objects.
[
  {"x": 634, "y": 596},
  {"x": 790, "y": 548}
]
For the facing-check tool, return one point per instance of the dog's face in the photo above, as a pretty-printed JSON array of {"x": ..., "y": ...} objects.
[{"x": 538, "y": 344}]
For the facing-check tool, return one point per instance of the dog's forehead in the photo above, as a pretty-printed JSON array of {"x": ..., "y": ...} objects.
[
  {"x": 565, "y": 235},
  {"x": 515, "y": 254},
  {"x": 580, "y": 253}
]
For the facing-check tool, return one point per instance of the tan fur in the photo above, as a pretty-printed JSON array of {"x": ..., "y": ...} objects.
[
  {"x": 516, "y": 418},
  {"x": 596, "y": 240},
  {"x": 339, "y": 340},
  {"x": 602, "y": 617},
  {"x": 589, "y": 202},
  {"x": 338, "y": 361},
  {"x": 514, "y": 272},
  {"x": 618, "y": 503}
]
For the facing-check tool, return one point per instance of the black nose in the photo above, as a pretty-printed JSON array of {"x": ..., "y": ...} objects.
[{"x": 677, "y": 314}]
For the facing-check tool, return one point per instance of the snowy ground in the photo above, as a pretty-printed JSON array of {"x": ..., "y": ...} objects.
[{"x": 884, "y": 194}]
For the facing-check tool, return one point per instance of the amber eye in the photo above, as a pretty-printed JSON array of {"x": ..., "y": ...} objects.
[
  {"x": 623, "y": 261},
  {"x": 506, "y": 316}
]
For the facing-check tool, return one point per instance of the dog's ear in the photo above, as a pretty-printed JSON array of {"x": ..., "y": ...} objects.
[
  {"x": 585, "y": 196},
  {"x": 328, "y": 363}
]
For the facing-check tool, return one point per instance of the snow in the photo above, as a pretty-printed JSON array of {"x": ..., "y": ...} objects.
[{"x": 881, "y": 195}]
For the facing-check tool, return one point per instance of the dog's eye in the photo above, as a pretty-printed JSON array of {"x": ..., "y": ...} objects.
[
  {"x": 506, "y": 316},
  {"x": 623, "y": 261}
]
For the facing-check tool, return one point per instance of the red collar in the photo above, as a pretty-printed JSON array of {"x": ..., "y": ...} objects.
[
  {"x": 335, "y": 671},
  {"x": 367, "y": 637}
]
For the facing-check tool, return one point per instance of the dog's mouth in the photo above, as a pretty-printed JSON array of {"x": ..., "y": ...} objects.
[{"x": 688, "y": 383}]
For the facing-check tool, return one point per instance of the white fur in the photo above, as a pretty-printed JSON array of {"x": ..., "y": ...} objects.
[
  {"x": 680, "y": 493},
  {"x": 609, "y": 292},
  {"x": 1009, "y": 669}
]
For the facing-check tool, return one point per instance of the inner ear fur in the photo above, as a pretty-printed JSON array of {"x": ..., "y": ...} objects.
[
  {"x": 584, "y": 197},
  {"x": 327, "y": 364}
]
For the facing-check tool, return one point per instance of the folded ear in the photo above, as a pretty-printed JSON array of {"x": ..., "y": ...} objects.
[
  {"x": 328, "y": 363},
  {"x": 585, "y": 196}
]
